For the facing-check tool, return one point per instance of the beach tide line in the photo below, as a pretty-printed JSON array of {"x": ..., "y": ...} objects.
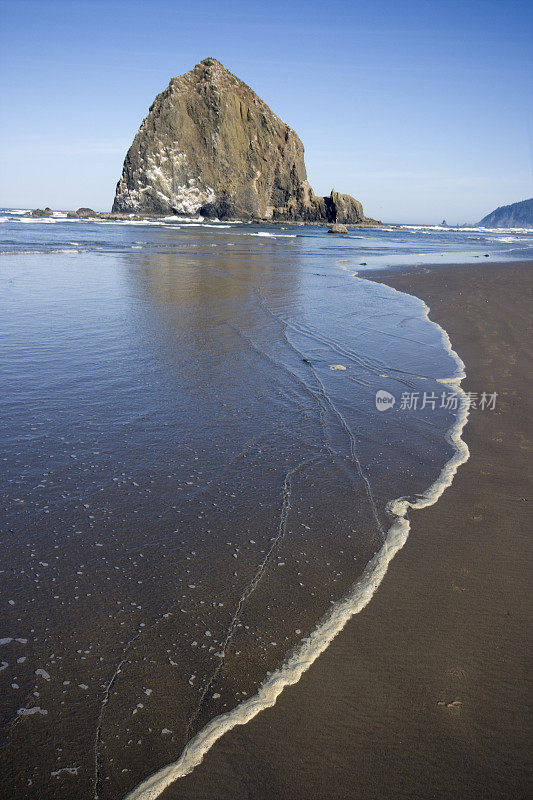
[{"x": 306, "y": 653}]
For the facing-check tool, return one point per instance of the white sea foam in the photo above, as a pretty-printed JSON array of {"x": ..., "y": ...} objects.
[
  {"x": 53, "y": 251},
  {"x": 206, "y": 225},
  {"x": 266, "y": 234},
  {"x": 27, "y": 712},
  {"x": 176, "y": 218},
  {"x": 156, "y": 222},
  {"x": 69, "y": 770},
  {"x": 40, "y": 220},
  {"x": 303, "y": 656},
  {"x": 451, "y": 229}
]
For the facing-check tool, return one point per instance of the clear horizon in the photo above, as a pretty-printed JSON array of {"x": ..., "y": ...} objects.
[{"x": 421, "y": 111}]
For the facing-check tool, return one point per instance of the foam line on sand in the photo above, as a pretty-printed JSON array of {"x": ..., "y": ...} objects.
[{"x": 303, "y": 656}]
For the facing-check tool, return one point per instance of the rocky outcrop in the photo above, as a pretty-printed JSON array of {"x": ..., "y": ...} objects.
[
  {"x": 83, "y": 213},
  {"x": 42, "y": 212},
  {"x": 516, "y": 215},
  {"x": 337, "y": 228},
  {"x": 211, "y": 146}
]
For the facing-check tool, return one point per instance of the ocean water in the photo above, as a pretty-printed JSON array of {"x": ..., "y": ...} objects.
[
  {"x": 199, "y": 488},
  {"x": 367, "y": 248}
]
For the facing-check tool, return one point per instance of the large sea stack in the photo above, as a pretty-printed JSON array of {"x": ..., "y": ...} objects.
[{"x": 211, "y": 146}]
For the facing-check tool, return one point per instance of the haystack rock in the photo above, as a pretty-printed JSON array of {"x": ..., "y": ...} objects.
[{"x": 211, "y": 146}]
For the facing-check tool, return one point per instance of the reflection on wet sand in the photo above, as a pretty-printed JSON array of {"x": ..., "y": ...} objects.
[{"x": 184, "y": 514}]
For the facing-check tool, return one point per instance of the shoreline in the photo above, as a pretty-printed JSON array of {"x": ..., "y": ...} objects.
[
  {"x": 328, "y": 628},
  {"x": 450, "y": 716}
]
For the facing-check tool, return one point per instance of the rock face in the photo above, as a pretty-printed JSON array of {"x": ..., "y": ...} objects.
[
  {"x": 211, "y": 146},
  {"x": 40, "y": 212},
  {"x": 516, "y": 215}
]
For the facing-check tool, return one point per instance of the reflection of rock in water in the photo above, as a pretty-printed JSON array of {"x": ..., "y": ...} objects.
[
  {"x": 264, "y": 532},
  {"x": 215, "y": 300},
  {"x": 196, "y": 271}
]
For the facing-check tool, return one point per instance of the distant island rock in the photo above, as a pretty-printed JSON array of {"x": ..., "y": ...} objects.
[
  {"x": 83, "y": 213},
  {"x": 338, "y": 228},
  {"x": 516, "y": 215},
  {"x": 42, "y": 212},
  {"x": 211, "y": 146}
]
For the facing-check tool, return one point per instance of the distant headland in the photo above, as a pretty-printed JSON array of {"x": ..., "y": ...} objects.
[{"x": 515, "y": 215}]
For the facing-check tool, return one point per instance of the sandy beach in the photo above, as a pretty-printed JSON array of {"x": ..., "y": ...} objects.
[
  {"x": 266, "y": 401},
  {"x": 426, "y": 693}
]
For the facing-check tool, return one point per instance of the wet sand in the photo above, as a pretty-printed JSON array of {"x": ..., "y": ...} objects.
[{"x": 426, "y": 693}]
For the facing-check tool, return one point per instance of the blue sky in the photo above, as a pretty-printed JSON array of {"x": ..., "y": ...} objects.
[{"x": 422, "y": 110}]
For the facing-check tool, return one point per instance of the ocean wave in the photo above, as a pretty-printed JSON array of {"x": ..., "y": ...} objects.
[
  {"x": 305, "y": 654},
  {"x": 266, "y": 234},
  {"x": 176, "y": 218},
  {"x": 153, "y": 222},
  {"x": 48, "y": 251},
  {"x": 451, "y": 229},
  {"x": 206, "y": 225},
  {"x": 39, "y": 220}
]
